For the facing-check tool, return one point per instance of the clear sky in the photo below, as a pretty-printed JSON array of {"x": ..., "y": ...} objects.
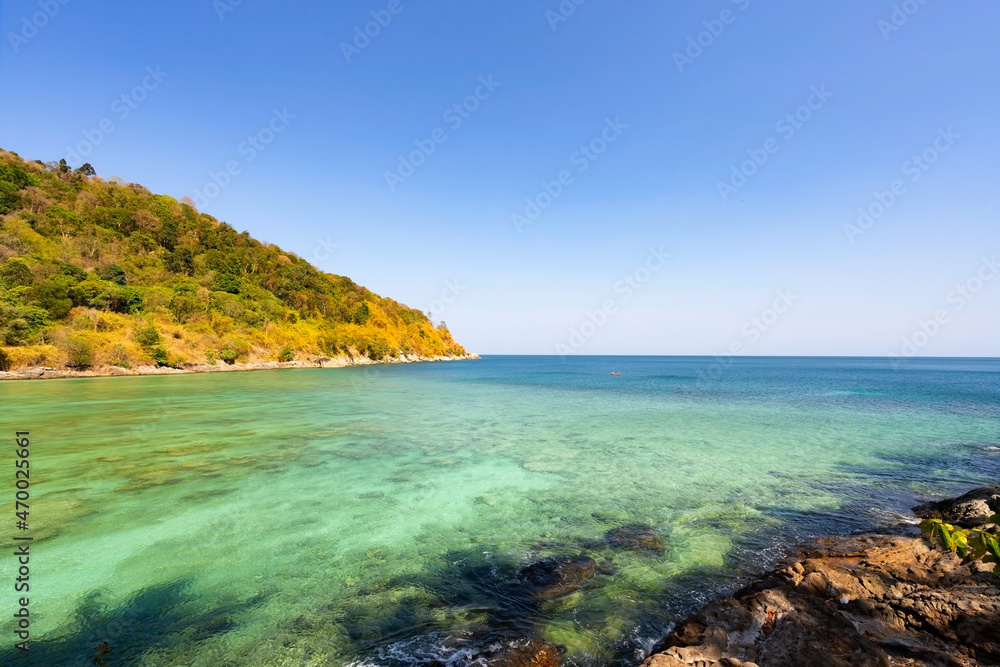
[{"x": 667, "y": 99}]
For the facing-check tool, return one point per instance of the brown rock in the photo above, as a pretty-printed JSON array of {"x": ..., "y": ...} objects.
[
  {"x": 870, "y": 600},
  {"x": 969, "y": 511}
]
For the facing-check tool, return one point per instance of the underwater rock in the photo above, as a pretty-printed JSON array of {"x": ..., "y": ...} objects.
[
  {"x": 556, "y": 576},
  {"x": 100, "y": 651},
  {"x": 525, "y": 653},
  {"x": 972, "y": 510},
  {"x": 636, "y": 537}
]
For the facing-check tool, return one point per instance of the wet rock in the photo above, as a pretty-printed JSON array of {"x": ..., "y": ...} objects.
[
  {"x": 554, "y": 577},
  {"x": 969, "y": 511},
  {"x": 525, "y": 653},
  {"x": 869, "y": 600},
  {"x": 636, "y": 537}
]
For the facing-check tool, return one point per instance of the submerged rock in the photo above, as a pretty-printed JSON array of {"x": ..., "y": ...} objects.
[
  {"x": 870, "y": 600},
  {"x": 636, "y": 537},
  {"x": 969, "y": 511},
  {"x": 525, "y": 653},
  {"x": 554, "y": 577}
]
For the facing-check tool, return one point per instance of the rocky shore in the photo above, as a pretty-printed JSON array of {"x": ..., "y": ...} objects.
[
  {"x": 46, "y": 373},
  {"x": 876, "y": 600}
]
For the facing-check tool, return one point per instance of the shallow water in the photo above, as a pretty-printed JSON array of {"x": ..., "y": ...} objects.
[{"x": 378, "y": 515}]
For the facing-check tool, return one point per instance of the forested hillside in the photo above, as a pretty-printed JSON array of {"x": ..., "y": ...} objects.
[{"x": 95, "y": 273}]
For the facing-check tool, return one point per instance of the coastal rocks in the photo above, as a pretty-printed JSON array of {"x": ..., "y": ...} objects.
[
  {"x": 972, "y": 510},
  {"x": 318, "y": 362},
  {"x": 554, "y": 577},
  {"x": 635, "y": 537},
  {"x": 870, "y": 600}
]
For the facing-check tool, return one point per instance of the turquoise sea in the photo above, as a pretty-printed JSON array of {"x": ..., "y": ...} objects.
[{"x": 378, "y": 515}]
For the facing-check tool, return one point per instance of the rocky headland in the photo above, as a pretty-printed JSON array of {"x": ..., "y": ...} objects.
[{"x": 876, "y": 599}]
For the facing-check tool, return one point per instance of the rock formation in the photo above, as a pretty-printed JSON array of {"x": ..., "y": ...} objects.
[{"x": 868, "y": 600}]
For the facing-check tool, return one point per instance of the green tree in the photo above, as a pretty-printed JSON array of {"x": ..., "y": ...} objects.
[
  {"x": 112, "y": 273},
  {"x": 81, "y": 353},
  {"x": 14, "y": 272},
  {"x": 53, "y": 296},
  {"x": 227, "y": 282},
  {"x": 9, "y": 198},
  {"x": 361, "y": 314},
  {"x": 12, "y": 179},
  {"x": 159, "y": 355},
  {"x": 181, "y": 261},
  {"x": 182, "y": 307},
  {"x": 378, "y": 348},
  {"x": 148, "y": 336}
]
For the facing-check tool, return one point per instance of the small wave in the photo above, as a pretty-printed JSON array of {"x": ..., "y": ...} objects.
[
  {"x": 645, "y": 643},
  {"x": 430, "y": 649}
]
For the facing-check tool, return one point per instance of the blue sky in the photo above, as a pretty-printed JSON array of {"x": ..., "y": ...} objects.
[{"x": 895, "y": 80}]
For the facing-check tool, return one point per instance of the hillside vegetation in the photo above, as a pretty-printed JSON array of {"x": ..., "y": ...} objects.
[{"x": 96, "y": 273}]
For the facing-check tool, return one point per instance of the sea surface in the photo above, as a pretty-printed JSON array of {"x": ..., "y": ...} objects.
[{"x": 379, "y": 515}]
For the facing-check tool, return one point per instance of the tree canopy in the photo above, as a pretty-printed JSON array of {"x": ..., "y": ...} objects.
[{"x": 89, "y": 268}]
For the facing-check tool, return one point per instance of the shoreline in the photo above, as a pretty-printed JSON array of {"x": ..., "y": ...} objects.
[
  {"x": 47, "y": 373},
  {"x": 877, "y": 599}
]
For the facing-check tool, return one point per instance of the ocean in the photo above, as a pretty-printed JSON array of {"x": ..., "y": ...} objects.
[{"x": 380, "y": 515}]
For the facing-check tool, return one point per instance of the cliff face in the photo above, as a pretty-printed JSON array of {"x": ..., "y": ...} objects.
[
  {"x": 102, "y": 274},
  {"x": 876, "y": 600}
]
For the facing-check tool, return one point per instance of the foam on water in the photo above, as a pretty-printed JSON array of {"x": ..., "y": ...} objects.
[{"x": 377, "y": 516}]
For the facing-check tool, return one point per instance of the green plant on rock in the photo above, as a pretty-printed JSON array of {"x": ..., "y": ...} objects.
[
  {"x": 228, "y": 355},
  {"x": 4, "y": 360},
  {"x": 286, "y": 354},
  {"x": 974, "y": 544}
]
